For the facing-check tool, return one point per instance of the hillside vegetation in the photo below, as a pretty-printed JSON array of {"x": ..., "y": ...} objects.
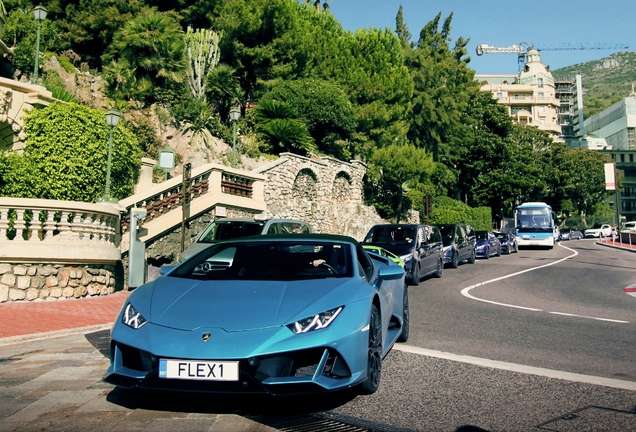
[
  {"x": 605, "y": 81},
  {"x": 406, "y": 104}
]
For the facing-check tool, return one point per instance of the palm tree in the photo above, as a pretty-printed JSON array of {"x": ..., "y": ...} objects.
[
  {"x": 224, "y": 89},
  {"x": 200, "y": 127},
  {"x": 152, "y": 45},
  {"x": 316, "y": 4},
  {"x": 279, "y": 126}
]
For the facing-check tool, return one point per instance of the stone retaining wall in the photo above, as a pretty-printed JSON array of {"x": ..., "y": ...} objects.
[
  {"x": 21, "y": 281},
  {"x": 325, "y": 192}
]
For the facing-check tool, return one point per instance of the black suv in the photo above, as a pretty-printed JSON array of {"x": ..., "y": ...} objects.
[
  {"x": 419, "y": 246},
  {"x": 459, "y": 243}
]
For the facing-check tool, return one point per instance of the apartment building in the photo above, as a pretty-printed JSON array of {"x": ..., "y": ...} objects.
[
  {"x": 569, "y": 91},
  {"x": 530, "y": 96},
  {"x": 617, "y": 125}
]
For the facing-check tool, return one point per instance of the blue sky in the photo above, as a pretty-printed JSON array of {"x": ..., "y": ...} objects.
[{"x": 504, "y": 22}]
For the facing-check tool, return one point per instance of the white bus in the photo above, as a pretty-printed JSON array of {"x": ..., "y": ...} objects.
[{"x": 534, "y": 225}]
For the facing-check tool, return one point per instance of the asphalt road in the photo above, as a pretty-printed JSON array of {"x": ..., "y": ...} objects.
[
  {"x": 511, "y": 341},
  {"x": 493, "y": 346}
]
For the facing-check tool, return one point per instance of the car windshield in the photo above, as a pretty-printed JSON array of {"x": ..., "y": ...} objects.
[
  {"x": 448, "y": 234},
  {"x": 597, "y": 225},
  {"x": 481, "y": 235},
  {"x": 565, "y": 230},
  {"x": 534, "y": 220},
  {"x": 391, "y": 234},
  {"x": 502, "y": 236},
  {"x": 227, "y": 230},
  {"x": 269, "y": 260}
]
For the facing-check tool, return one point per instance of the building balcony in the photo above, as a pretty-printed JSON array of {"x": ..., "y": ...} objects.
[{"x": 529, "y": 100}]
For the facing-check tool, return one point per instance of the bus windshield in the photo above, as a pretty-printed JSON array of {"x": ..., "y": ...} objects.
[{"x": 534, "y": 219}]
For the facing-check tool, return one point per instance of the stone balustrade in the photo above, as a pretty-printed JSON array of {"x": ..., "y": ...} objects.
[
  {"x": 52, "y": 249},
  {"x": 56, "y": 231}
]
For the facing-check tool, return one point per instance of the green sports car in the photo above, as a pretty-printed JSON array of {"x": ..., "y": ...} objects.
[{"x": 385, "y": 253}]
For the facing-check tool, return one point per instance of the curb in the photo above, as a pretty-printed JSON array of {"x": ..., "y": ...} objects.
[
  {"x": 13, "y": 340},
  {"x": 616, "y": 247}
]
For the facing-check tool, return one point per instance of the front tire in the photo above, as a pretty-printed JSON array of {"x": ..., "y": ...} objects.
[
  {"x": 415, "y": 276},
  {"x": 374, "y": 353},
  {"x": 487, "y": 253},
  {"x": 404, "y": 336},
  {"x": 455, "y": 260},
  {"x": 473, "y": 257},
  {"x": 440, "y": 268}
]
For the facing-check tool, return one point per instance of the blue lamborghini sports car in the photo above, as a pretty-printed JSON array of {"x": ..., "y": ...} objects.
[{"x": 280, "y": 314}]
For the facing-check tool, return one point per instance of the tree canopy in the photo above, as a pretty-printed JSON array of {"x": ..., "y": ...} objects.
[
  {"x": 66, "y": 155},
  {"x": 408, "y": 107}
]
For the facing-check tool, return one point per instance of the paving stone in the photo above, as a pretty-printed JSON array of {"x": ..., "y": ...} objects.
[
  {"x": 64, "y": 385},
  {"x": 9, "y": 426},
  {"x": 231, "y": 423},
  {"x": 66, "y": 373},
  {"x": 191, "y": 425},
  {"x": 69, "y": 397},
  {"x": 143, "y": 414},
  {"x": 64, "y": 418},
  {"x": 11, "y": 406},
  {"x": 28, "y": 413},
  {"x": 101, "y": 404}
]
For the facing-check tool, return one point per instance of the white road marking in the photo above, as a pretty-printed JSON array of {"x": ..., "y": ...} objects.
[
  {"x": 465, "y": 291},
  {"x": 513, "y": 367}
]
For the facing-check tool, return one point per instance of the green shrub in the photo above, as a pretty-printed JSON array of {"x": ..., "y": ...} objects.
[{"x": 447, "y": 210}]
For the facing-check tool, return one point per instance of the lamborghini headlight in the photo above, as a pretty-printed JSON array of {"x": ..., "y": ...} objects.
[
  {"x": 132, "y": 318},
  {"x": 316, "y": 322}
]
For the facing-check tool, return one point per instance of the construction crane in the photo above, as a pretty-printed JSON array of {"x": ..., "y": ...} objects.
[{"x": 522, "y": 49}]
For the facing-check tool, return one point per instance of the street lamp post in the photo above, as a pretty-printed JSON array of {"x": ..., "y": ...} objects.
[
  {"x": 39, "y": 12},
  {"x": 235, "y": 113},
  {"x": 112, "y": 118}
]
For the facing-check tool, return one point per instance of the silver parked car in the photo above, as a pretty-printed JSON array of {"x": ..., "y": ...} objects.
[
  {"x": 232, "y": 228},
  {"x": 570, "y": 234}
]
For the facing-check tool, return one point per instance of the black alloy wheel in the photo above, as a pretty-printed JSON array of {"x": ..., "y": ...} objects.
[
  {"x": 374, "y": 353},
  {"x": 487, "y": 253},
  {"x": 455, "y": 260},
  {"x": 415, "y": 276},
  {"x": 440, "y": 268},
  {"x": 404, "y": 336},
  {"x": 473, "y": 257}
]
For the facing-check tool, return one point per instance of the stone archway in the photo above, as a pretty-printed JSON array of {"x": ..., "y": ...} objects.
[
  {"x": 305, "y": 186},
  {"x": 341, "y": 190}
]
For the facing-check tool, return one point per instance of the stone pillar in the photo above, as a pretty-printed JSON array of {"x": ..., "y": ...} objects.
[{"x": 145, "y": 176}]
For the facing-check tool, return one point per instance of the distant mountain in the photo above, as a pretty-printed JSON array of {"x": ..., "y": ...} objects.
[{"x": 605, "y": 81}]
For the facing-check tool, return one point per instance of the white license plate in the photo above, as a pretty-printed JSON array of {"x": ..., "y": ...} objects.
[{"x": 199, "y": 370}]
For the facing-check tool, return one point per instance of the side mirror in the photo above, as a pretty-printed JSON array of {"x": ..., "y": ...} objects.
[{"x": 391, "y": 272}]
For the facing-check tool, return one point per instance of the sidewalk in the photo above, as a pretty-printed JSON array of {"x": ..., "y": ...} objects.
[
  {"x": 617, "y": 244},
  {"x": 33, "y": 320}
]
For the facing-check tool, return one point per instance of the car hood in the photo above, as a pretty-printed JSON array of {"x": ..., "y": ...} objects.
[{"x": 235, "y": 305}]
